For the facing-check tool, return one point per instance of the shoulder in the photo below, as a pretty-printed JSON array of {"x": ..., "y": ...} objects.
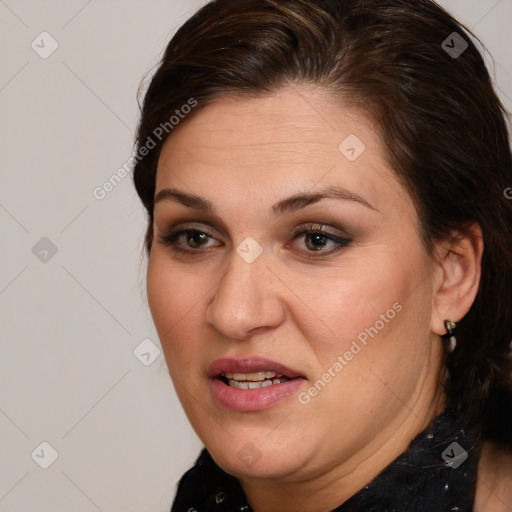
[{"x": 494, "y": 480}]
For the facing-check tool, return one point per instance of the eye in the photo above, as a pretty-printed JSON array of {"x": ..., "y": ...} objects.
[
  {"x": 192, "y": 239},
  {"x": 317, "y": 238}
]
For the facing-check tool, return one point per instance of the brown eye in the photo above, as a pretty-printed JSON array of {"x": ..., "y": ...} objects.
[
  {"x": 196, "y": 239},
  {"x": 187, "y": 240},
  {"x": 316, "y": 241}
]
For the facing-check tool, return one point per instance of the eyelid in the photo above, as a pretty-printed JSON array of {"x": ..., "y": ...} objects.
[
  {"x": 192, "y": 222},
  {"x": 320, "y": 227},
  {"x": 178, "y": 227},
  {"x": 184, "y": 223},
  {"x": 308, "y": 226}
]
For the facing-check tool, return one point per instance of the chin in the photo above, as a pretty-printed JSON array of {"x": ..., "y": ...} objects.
[
  {"x": 253, "y": 452},
  {"x": 252, "y": 462}
]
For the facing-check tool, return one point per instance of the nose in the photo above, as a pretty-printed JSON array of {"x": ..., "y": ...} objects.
[{"x": 246, "y": 300}]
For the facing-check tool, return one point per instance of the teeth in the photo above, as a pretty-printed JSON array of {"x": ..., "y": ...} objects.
[
  {"x": 253, "y": 377},
  {"x": 254, "y": 380},
  {"x": 238, "y": 385},
  {"x": 256, "y": 384}
]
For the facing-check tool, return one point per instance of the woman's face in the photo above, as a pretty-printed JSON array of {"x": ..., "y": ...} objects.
[{"x": 236, "y": 285}]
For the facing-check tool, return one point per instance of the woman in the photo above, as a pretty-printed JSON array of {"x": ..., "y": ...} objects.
[{"x": 330, "y": 256}]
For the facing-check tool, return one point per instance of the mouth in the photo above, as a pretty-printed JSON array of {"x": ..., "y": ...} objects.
[
  {"x": 251, "y": 373},
  {"x": 254, "y": 380},
  {"x": 252, "y": 384}
]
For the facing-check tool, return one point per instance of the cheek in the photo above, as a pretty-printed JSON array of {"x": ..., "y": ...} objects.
[
  {"x": 161, "y": 287},
  {"x": 373, "y": 338},
  {"x": 378, "y": 314},
  {"x": 362, "y": 300},
  {"x": 174, "y": 298}
]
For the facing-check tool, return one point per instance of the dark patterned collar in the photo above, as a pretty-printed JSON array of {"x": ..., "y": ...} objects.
[{"x": 437, "y": 473}]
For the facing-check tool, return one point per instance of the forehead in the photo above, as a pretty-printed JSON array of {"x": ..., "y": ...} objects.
[
  {"x": 300, "y": 117},
  {"x": 293, "y": 140}
]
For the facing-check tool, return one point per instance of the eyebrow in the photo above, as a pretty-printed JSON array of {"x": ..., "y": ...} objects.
[{"x": 290, "y": 204}]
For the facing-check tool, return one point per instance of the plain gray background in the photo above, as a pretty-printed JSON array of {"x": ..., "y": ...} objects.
[{"x": 77, "y": 371}]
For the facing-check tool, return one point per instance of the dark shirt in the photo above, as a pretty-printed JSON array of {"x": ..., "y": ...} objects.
[{"x": 437, "y": 473}]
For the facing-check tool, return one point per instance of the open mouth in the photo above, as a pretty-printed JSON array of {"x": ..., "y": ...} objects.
[
  {"x": 252, "y": 384},
  {"x": 253, "y": 380}
]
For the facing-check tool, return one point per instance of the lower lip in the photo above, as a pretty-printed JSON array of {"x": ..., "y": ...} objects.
[{"x": 254, "y": 399}]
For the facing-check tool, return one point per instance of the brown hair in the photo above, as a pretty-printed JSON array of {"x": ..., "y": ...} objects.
[{"x": 441, "y": 122}]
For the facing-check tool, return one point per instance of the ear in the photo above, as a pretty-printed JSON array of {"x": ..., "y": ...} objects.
[{"x": 458, "y": 270}]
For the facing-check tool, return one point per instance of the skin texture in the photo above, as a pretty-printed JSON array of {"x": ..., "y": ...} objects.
[{"x": 244, "y": 154}]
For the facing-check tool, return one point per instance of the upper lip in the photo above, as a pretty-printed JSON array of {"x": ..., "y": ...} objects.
[{"x": 249, "y": 365}]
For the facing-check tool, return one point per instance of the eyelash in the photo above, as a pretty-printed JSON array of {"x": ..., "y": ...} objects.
[{"x": 171, "y": 240}]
